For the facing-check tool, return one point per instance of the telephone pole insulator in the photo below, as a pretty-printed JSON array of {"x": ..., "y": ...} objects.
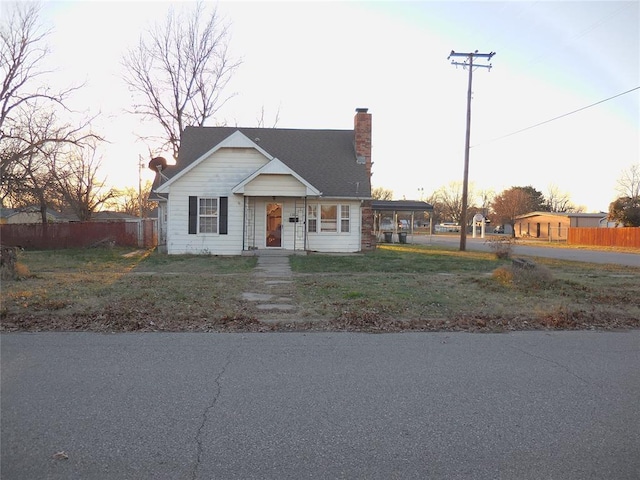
[{"x": 468, "y": 63}]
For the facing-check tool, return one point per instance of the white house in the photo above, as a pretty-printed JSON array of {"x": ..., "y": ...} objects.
[{"x": 235, "y": 190}]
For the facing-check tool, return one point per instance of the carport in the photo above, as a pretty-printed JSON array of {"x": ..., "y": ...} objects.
[{"x": 394, "y": 220}]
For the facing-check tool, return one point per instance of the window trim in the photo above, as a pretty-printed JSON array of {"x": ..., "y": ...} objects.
[
  {"x": 200, "y": 215},
  {"x": 314, "y": 217}
]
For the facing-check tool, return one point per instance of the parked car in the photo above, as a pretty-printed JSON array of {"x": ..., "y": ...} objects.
[{"x": 499, "y": 229}]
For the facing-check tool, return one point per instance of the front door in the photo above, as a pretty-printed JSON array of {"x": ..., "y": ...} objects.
[{"x": 274, "y": 225}]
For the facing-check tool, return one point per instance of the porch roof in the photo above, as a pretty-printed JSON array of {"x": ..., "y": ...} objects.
[{"x": 401, "y": 206}]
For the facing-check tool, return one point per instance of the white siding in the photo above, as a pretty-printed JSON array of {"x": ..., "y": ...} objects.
[
  {"x": 338, "y": 242},
  {"x": 214, "y": 177},
  {"x": 265, "y": 185}
]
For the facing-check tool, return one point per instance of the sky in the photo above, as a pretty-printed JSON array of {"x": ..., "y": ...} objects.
[{"x": 312, "y": 64}]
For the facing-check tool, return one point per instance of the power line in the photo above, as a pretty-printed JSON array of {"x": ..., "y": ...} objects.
[{"x": 555, "y": 118}]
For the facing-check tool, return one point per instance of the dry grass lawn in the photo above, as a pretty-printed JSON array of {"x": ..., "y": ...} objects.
[{"x": 395, "y": 288}]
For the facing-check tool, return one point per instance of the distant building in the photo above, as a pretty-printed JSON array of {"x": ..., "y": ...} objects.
[
  {"x": 30, "y": 214},
  {"x": 555, "y": 226}
]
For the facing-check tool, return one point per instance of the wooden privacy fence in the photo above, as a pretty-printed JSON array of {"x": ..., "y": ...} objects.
[
  {"x": 141, "y": 233},
  {"x": 606, "y": 237}
]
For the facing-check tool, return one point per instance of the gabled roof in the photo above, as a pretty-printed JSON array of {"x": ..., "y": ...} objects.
[
  {"x": 276, "y": 167},
  {"x": 325, "y": 159}
]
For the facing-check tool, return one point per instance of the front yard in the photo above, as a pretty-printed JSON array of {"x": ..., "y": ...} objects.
[{"x": 395, "y": 288}]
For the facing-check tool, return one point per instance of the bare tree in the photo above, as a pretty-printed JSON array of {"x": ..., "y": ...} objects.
[
  {"x": 78, "y": 182},
  {"x": 32, "y": 182},
  {"x": 381, "y": 193},
  {"x": 448, "y": 200},
  {"x": 261, "y": 120},
  {"x": 486, "y": 198},
  {"x": 629, "y": 182},
  {"x": 22, "y": 51},
  {"x": 131, "y": 199},
  {"x": 30, "y": 129},
  {"x": 179, "y": 72},
  {"x": 558, "y": 201},
  {"x": 32, "y": 151}
]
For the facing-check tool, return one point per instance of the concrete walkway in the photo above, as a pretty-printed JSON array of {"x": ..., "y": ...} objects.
[{"x": 272, "y": 287}]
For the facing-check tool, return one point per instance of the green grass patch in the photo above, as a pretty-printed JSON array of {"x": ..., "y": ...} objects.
[{"x": 397, "y": 259}]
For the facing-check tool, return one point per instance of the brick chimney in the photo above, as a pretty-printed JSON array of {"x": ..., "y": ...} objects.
[
  {"x": 362, "y": 132},
  {"x": 362, "y": 141}
]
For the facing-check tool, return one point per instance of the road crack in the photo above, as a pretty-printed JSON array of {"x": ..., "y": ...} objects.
[
  {"x": 553, "y": 362},
  {"x": 205, "y": 416}
]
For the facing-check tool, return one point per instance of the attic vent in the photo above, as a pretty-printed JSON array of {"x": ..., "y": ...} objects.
[
  {"x": 361, "y": 160},
  {"x": 257, "y": 139}
]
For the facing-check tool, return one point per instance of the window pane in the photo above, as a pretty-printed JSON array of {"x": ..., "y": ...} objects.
[
  {"x": 208, "y": 225},
  {"x": 329, "y": 218},
  {"x": 208, "y": 206},
  {"x": 312, "y": 215},
  {"x": 344, "y": 218}
]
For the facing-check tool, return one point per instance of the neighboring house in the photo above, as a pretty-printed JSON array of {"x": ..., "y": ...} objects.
[
  {"x": 28, "y": 215},
  {"x": 235, "y": 190},
  {"x": 592, "y": 220},
  {"x": 109, "y": 216},
  {"x": 555, "y": 226}
]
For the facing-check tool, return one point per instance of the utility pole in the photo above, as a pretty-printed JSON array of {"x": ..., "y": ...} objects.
[
  {"x": 140, "y": 186},
  {"x": 468, "y": 63}
]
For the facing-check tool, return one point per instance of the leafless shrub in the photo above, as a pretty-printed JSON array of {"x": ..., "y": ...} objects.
[
  {"x": 10, "y": 267},
  {"x": 537, "y": 277},
  {"x": 501, "y": 246}
]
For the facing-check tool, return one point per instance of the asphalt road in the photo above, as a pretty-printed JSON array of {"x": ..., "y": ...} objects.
[
  {"x": 561, "y": 253},
  {"x": 530, "y": 405}
]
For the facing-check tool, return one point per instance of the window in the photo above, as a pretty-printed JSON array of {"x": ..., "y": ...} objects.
[
  {"x": 344, "y": 218},
  {"x": 334, "y": 218},
  {"x": 208, "y": 215},
  {"x": 312, "y": 218},
  {"x": 328, "y": 218}
]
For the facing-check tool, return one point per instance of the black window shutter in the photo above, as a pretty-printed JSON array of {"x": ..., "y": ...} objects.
[
  {"x": 193, "y": 215},
  {"x": 224, "y": 208}
]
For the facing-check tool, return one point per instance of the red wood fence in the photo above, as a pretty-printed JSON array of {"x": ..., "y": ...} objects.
[
  {"x": 607, "y": 237},
  {"x": 142, "y": 233}
]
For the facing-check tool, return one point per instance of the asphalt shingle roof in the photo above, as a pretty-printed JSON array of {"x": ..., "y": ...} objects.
[{"x": 324, "y": 158}]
